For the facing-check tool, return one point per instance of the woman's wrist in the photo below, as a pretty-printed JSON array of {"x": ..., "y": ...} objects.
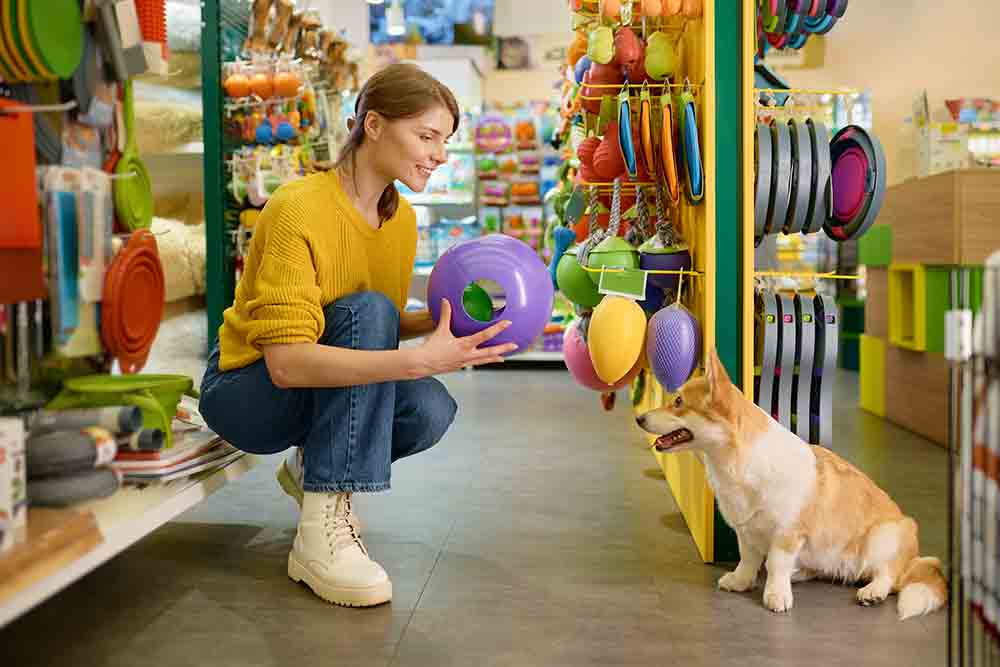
[{"x": 414, "y": 363}]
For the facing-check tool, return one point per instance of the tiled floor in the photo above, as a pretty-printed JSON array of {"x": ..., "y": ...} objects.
[{"x": 540, "y": 532}]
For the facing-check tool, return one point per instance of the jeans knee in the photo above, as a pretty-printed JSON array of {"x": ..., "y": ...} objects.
[
  {"x": 439, "y": 410},
  {"x": 373, "y": 325}
]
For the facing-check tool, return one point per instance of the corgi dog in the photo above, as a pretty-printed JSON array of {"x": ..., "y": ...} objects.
[{"x": 801, "y": 510}]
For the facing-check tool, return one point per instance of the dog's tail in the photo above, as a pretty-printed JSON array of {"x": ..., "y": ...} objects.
[{"x": 923, "y": 588}]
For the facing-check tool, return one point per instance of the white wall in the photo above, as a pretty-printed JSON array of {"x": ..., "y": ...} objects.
[
  {"x": 514, "y": 18},
  {"x": 350, "y": 15},
  {"x": 896, "y": 48}
]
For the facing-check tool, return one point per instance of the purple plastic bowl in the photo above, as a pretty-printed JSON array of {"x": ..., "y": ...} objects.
[{"x": 850, "y": 174}]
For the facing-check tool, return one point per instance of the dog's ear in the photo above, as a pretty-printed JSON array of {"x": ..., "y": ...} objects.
[{"x": 716, "y": 374}]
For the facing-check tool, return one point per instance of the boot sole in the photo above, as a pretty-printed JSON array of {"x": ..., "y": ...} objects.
[
  {"x": 288, "y": 484},
  {"x": 345, "y": 597}
]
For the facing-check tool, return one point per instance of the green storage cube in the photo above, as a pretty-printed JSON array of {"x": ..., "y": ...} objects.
[
  {"x": 849, "y": 357},
  {"x": 875, "y": 247},
  {"x": 852, "y": 316},
  {"x": 938, "y": 279}
]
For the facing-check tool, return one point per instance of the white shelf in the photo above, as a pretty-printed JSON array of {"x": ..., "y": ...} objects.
[
  {"x": 421, "y": 199},
  {"x": 124, "y": 519},
  {"x": 537, "y": 356}
]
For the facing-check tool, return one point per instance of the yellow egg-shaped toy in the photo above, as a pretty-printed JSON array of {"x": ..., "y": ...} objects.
[{"x": 616, "y": 337}]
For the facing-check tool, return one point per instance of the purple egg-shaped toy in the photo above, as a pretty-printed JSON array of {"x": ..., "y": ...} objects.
[
  {"x": 511, "y": 264},
  {"x": 673, "y": 345}
]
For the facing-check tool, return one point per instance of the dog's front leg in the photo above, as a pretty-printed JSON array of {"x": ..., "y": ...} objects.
[
  {"x": 780, "y": 567},
  {"x": 744, "y": 576}
]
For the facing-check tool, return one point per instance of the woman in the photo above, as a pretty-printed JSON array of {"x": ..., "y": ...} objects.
[{"x": 308, "y": 354}]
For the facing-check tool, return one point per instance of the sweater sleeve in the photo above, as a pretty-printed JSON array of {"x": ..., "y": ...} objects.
[{"x": 285, "y": 306}]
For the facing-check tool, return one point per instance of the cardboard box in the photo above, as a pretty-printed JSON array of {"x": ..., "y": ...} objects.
[{"x": 13, "y": 483}]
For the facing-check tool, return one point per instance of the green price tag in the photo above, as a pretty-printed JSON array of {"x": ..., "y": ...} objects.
[{"x": 630, "y": 283}]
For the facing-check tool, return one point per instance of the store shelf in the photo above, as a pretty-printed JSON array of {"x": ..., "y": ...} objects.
[
  {"x": 122, "y": 520},
  {"x": 537, "y": 356},
  {"x": 463, "y": 199}
]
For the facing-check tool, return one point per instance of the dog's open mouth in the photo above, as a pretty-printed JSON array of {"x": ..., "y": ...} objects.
[{"x": 672, "y": 439}]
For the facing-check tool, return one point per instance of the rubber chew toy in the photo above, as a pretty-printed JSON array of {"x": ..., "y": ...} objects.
[
  {"x": 510, "y": 263},
  {"x": 805, "y": 318},
  {"x": 827, "y": 337},
  {"x": 283, "y": 16},
  {"x": 786, "y": 358}
]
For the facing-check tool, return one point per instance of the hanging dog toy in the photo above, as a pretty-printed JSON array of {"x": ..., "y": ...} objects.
[{"x": 612, "y": 251}]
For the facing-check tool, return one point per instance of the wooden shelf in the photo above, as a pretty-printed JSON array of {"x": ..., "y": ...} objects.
[
  {"x": 65, "y": 545},
  {"x": 946, "y": 220}
]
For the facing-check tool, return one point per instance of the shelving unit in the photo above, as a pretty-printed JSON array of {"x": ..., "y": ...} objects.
[
  {"x": 118, "y": 522},
  {"x": 716, "y": 52}
]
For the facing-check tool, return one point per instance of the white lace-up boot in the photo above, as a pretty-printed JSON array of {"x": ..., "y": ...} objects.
[
  {"x": 329, "y": 557},
  {"x": 291, "y": 479}
]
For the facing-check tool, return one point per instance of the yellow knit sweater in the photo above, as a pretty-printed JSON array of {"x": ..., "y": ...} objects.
[{"x": 311, "y": 247}]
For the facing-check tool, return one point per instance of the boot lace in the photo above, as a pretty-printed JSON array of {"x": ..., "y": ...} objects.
[{"x": 338, "y": 526}]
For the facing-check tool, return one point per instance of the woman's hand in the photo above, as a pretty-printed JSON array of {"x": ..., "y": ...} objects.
[{"x": 444, "y": 353}]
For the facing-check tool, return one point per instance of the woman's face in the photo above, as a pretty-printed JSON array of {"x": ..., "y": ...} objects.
[{"x": 410, "y": 149}]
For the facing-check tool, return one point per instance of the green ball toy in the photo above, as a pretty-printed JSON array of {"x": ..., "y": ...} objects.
[
  {"x": 614, "y": 252},
  {"x": 574, "y": 281}
]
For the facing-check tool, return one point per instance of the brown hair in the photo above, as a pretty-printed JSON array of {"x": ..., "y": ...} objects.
[{"x": 396, "y": 92}]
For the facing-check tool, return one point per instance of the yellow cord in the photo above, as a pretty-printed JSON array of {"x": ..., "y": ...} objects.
[{"x": 804, "y": 274}]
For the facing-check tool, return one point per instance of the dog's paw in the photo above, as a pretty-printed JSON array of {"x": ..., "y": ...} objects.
[
  {"x": 873, "y": 594},
  {"x": 735, "y": 583},
  {"x": 778, "y": 600}
]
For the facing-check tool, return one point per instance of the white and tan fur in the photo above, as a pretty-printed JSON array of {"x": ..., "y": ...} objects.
[{"x": 799, "y": 509}]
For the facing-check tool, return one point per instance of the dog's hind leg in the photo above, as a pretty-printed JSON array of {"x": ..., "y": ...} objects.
[{"x": 888, "y": 548}]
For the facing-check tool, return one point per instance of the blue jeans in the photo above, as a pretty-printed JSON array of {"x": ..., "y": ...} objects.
[{"x": 349, "y": 435}]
